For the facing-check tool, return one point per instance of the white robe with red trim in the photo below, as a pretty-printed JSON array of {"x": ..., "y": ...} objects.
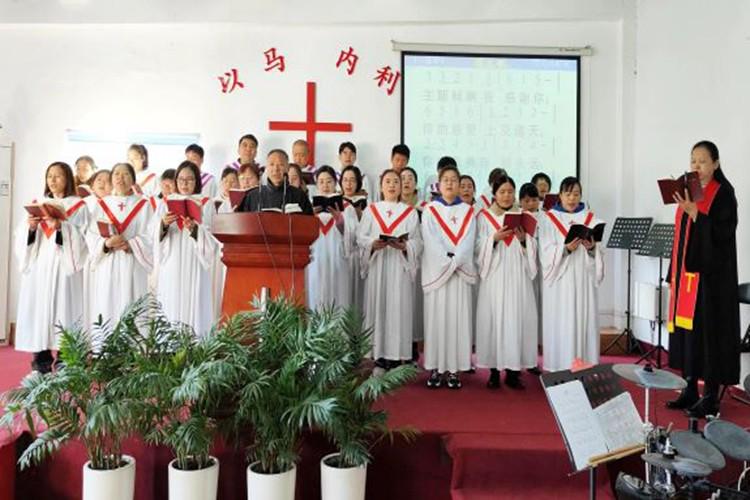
[
  {"x": 51, "y": 291},
  {"x": 390, "y": 277},
  {"x": 570, "y": 297},
  {"x": 447, "y": 283},
  {"x": 327, "y": 280},
  {"x": 118, "y": 277},
  {"x": 183, "y": 266},
  {"x": 506, "y": 308},
  {"x": 352, "y": 253},
  {"x": 209, "y": 185},
  {"x": 148, "y": 182}
]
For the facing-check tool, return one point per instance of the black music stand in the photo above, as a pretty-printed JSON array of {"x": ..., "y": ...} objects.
[
  {"x": 628, "y": 233},
  {"x": 658, "y": 244}
]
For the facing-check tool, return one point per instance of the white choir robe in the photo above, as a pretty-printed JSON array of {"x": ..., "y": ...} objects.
[
  {"x": 184, "y": 266},
  {"x": 148, "y": 181},
  {"x": 209, "y": 185},
  {"x": 506, "y": 308},
  {"x": 372, "y": 189},
  {"x": 390, "y": 277},
  {"x": 418, "y": 329},
  {"x": 447, "y": 283},
  {"x": 353, "y": 260},
  {"x": 118, "y": 277},
  {"x": 570, "y": 328},
  {"x": 327, "y": 282},
  {"x": 51, "y": 291}
]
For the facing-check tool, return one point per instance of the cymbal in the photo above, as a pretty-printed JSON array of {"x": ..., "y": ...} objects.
[
  {"x": 693, "y": 445},
  {"x": 682, "y": 466},
  {"x": 653, "y": 379},
  {"x": 731, "y": 439}
]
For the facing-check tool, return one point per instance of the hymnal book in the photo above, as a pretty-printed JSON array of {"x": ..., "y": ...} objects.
[
  {"x": 550, "y": 200},
  {"x": 289, "y": 208},
  {"x": 595, "y": 233},
  {"x": 591, "y": 432},
  {"x": 358, "y": 201},
  {"x": 512, "y": 220},
  {"x": 106, "y": 230},
  {"x": 185, "y": 206},
  {"x": 388, "y": 238},
  {"x": 689, "y": 181},
  {"x": 326, "y": 202},
  {"x": 236, "y": 196},
  {"x": 48, "y": 210},
  {"x": 83, "y": 191}
]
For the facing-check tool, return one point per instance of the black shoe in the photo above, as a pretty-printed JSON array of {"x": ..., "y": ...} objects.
[
  {"x": 494, "y": 381},
  {"x": 706, "y": 406},
  {"x": 381, "y": 363},
  {"x": 687, "y": 398},
  {"x": 453, "y": 381},
  {"x": 513, "y": 379},
  {"x": 435, "y": 380},
  {"x": 535, "y": 371}
]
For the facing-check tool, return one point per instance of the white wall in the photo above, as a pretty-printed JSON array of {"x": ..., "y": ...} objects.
[
  {"x": 162, "y": 78},
  {"x": 691, "y": 84}
]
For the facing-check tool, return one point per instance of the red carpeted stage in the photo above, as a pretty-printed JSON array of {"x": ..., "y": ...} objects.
[{"x": 475, "y": 444}]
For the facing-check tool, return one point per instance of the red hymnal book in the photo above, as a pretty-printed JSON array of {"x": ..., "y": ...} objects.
[
  {"x": 236, "y": 196},
  {"x": 186, "y": 206},
  {"x": 520, "y": 219},
  {"x": 550, "y": 200},
  {"x": 689, "y": 181},
  {"x": 106, "y": 230},
  {"x": 47, "y": 209}
]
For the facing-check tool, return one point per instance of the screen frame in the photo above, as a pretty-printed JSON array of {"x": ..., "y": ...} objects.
[{"x": 577, "y": 58}]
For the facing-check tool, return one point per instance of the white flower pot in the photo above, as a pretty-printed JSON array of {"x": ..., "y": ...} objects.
[
  {"x": 270, "y": 486},
  {"x": 193, "y": 484},
  {"x": 342, "y": 484},
  {"x": 117, "y": 484}
]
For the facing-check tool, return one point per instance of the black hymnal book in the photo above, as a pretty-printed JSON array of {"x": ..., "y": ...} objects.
[
  {"x": 358, "y": 201},
  {"x": 585, "y": 233},
  {"x": 326, "y": 202},
  {"x": 388, "y": 238}
]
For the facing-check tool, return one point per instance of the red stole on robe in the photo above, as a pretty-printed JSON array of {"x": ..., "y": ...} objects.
[{"x": 682, "y": 303}]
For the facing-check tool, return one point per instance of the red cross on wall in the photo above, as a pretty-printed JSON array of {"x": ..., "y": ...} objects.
[{"x": 310, "y": 126}]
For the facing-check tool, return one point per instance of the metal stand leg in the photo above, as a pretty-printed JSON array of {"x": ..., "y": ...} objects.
[{"x": 592, "y": 483}]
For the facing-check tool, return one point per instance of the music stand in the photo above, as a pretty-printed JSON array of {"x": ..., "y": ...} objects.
[
  {"x": 628, "y": 233},
  {"x": 658, "y": 244}
]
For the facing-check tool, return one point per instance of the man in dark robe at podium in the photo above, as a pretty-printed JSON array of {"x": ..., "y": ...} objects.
[{"x": 276, "y": 195}]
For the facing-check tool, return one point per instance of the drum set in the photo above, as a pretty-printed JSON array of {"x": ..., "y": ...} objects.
[{"x": 678, "y": 462}]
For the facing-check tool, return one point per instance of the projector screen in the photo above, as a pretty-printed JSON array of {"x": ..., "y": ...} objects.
[{"x": 519, "y": 113}]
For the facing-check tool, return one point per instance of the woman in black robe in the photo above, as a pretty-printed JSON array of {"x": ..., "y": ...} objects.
[{"x": 707, "y": 347}]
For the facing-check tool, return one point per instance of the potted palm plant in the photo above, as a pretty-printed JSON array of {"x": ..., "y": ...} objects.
[
  {"x": 292, "y": 363},
  {"x": 356, "y": 427},
  {"x": 77, "y": 402}
]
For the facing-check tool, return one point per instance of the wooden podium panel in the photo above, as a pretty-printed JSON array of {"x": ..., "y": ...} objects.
[{"x": 263, "y": 249}]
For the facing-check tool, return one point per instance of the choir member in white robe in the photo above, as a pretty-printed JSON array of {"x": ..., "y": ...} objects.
[
  {"x": 528, "y": 197},
  {"x": 351, "y": 186},
  {"x": 167, "y": 183},
  {"x": 432, "y": 185},
  {"x": 348, "y": 158},
  {"x": 448, "y": 274},
  {"x": 466, "y": 190},
  {"x": 410, "y": 196},
  {"x": 543, "y": 184},
  {"x": 146, "y": 181},
  {"x": 120, "y": 263},
  {"x": 506, "y": 307},
  {"x": 572, "y": 273},
  {"x": 209, "y": 187},
  {"x": 247, "y": 150},
  {"x": 185, "y": 253},
  {"x": 488, "y": 196},
  {"x": 52, "y": 253},
  {"x": 390, "y": 270},
  {"x": 101, "y": 185},
  {"x": 301, "y": 158},
  {"x": 327, "y": 282}
]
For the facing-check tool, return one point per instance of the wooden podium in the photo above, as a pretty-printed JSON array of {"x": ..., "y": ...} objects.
[{"x": 263, "y": 249}]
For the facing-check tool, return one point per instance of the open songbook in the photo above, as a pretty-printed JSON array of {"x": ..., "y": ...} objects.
[
  {"x": 186, "y": 206},
  {"x": 689, "y": 180},
  {"x": 388, "y": 238},
  {"x": 550, "y": 200},
  {"x": 289, "y": 208},
  {"x": 357, "y": 201},
  {"x": 595, "y": 233},
  {"x": 236, "y": 196},
  {"x": 106, "y": 230},
  {"x": 326, "y": 202},
  {"x": 47, "y": 209},
  {"x": 527, "y": 221},
  {"x": 590, "y": 433}
]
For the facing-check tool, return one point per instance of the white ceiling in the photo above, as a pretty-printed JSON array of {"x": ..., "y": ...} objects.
[{"x": 310, "y": 12}]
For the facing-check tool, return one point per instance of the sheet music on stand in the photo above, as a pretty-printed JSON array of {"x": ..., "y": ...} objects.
[
  {"x": 629, "y": 233},
  {"x": 596, "y": 416},
  {"x": 658, "y": 243}
]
